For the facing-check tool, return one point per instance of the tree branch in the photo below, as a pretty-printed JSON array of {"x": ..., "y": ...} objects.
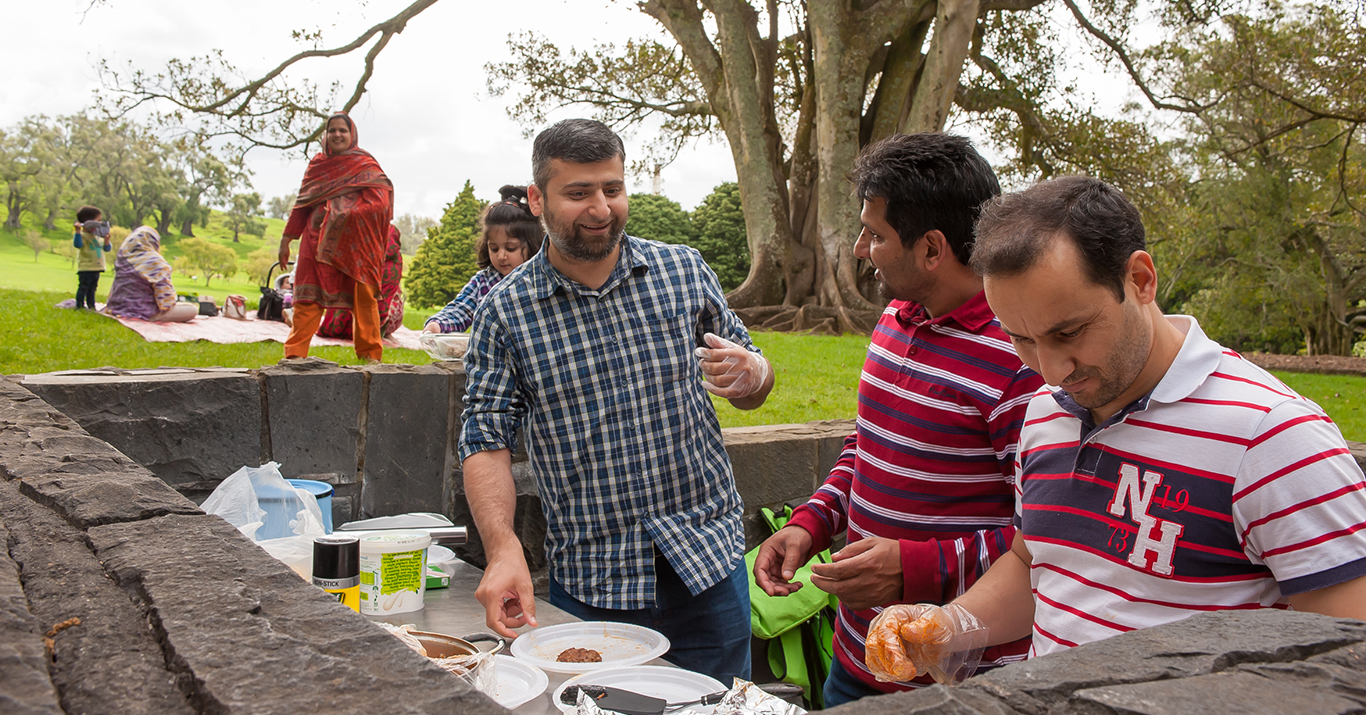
[{"x": 1118, "y": 48}]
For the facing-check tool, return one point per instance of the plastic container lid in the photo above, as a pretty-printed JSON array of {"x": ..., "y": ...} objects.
[{"x": 395, "y": 542}]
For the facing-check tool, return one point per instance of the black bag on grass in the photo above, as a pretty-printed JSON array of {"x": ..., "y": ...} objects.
[{"x": 272, "y": 305}]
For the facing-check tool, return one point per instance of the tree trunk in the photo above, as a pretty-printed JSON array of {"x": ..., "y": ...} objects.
[
  {"x": 841, "y": 59},
  {"x": 737, "y": 73},
  {"x": 187, "y": 227},
  {"x": 50, "y": 223}
]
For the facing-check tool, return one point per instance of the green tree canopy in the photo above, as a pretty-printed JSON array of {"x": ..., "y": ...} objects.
[
  {"x": 446, "y": 261},
  {"x": 719, "y": 222},
  {"x": 244, "y": 215},
  {"x": 209, "y": 258},
  {"x": 659, "y": 219}
]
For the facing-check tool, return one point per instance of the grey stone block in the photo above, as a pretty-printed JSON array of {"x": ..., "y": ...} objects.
[
  {"x": 934, "y": 700},
  {"x": 778, "y": 463},
  {"x": 1200, "y": 645},
  {"x": 408, "y": 439},
  {"x": 84, "y": 479},
  {"x": 111, "y": 655},
  {"x": 1215, "y": 694},
  {"x": 252, "y": 637},
  {"x": 25, "y": 687},
  {"x": 313, "y": 416},
  {"x": 187, "y": 427},
  {"x": 87, "y": 500}
]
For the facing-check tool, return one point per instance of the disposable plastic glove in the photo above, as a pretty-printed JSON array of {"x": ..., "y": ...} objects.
[
  {"x": 906, "y": 641},
  {"x": 730, "y": 370}
]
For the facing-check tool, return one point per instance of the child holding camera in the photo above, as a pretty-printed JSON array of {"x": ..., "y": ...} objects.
[{"x": 92, "y": 240}]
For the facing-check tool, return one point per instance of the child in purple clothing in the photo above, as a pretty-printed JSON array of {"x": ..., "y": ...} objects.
[{"x": 511, "y": 236}]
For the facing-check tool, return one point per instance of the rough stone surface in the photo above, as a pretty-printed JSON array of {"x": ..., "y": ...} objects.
[
  {"x": 408, "y": 439},
  {"x": 313, "y": 409},
  {"x": 1310, "y": 661},
  {"x": 1217, "y": 694},
  {"x": 111, "y": 655},
  {"x": 25, "y": 686},
  {"x": 83, "y": 478},
  {"x": 252, "y": 637},
  {"x": 187, "y": 427}
]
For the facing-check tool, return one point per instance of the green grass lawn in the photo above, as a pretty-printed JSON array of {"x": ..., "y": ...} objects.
[
  {"x": 817, "y": 376},
  {"x": 1343, "y": 397}
]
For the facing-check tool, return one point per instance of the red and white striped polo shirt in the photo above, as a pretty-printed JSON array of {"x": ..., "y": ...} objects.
[
  {"x": 941, "y": 403},
  {"x": 1220, "y": 489}
]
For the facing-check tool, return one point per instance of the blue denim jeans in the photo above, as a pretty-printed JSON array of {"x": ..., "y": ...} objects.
[
  {"x": 841, "y": 687},
  {"x": 708, "y": 633}
]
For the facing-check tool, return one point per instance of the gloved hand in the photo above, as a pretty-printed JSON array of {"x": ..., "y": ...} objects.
[
  {"x": 731, "y": 371},
  {"x": 906, "y": 641}
]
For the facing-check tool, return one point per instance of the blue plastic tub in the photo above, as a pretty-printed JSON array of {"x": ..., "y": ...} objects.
[{"x": 322, "y": 491}]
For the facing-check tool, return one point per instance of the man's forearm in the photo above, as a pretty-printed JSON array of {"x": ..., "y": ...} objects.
[
  {"x": 492, "y": 497},
  {"x": 1001, "y": 599}
]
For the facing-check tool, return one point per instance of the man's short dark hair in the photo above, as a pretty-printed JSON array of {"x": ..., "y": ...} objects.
[
  {"x": 582, "y": 141},
  {"x": 931, "y": 181},
  {"x": 1102, "y": 223},
  {"x": 88, "y": 213}
]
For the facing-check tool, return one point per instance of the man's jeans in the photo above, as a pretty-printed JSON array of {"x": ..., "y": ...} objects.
[{"x": 708, "y": 633}]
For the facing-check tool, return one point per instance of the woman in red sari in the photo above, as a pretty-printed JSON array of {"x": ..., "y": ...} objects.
[
  {"x": 337, "y": 322},
  {"x": 342, "y": 217}
]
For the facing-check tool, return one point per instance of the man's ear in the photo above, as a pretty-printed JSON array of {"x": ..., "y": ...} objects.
[
  {"x": 535, "y": 199},
  {"x": 1141, "y": 275},
  {"x": 936, "y": 248}
]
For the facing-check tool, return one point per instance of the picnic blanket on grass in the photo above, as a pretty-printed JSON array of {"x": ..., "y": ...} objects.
[{"x": 223, "y": 330}]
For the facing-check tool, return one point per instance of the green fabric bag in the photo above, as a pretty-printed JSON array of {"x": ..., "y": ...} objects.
[{"x": 800, "y": 627}]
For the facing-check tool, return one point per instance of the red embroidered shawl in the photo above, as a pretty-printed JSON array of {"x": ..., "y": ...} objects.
[{"x": 353, "y": 203}]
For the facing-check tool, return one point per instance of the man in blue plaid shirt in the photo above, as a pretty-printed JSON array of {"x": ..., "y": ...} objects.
[{"x": 599, "y": 346}]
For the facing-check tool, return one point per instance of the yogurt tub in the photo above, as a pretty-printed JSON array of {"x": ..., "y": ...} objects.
[{"x": 393, "y": 569}]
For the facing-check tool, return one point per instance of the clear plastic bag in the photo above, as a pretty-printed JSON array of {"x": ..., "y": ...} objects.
[
  {"x": 279, "y": 517},
  {"x": 906, "y": 641}
]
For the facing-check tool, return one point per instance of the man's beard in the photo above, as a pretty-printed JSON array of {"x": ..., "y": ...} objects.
[
  {"x": 570, "y": 239},
  {"x": 1125, "y": 362}
]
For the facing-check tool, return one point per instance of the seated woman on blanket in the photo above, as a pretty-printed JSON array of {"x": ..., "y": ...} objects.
[
  {"x": 337, "y": 321},
  {"x": 511, "y": 236},
  {"x": 142, "y": 282}
]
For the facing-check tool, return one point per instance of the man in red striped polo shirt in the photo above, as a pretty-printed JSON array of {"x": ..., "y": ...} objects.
[
  {"x": 923, "y": 485},
  {"x": 1165, "y": 475}
]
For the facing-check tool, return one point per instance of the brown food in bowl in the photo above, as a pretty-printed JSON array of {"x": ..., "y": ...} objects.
[{"x": 579, "y": 655}]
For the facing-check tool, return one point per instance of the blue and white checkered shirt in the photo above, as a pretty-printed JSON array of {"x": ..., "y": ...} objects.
[{"x": 622, "y": 438}]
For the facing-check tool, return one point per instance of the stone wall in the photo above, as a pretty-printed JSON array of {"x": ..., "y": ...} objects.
[
  {"x": 383, "y": 436},
  {"x": 118, "y": 595}
]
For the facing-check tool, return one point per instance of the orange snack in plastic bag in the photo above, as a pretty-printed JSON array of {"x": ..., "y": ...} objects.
[{"x": 905, "y": 640}]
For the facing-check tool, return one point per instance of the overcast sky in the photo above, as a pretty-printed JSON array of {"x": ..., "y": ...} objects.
[{"x": 427, "y": 116}]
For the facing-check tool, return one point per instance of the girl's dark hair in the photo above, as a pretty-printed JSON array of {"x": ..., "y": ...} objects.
[
  {"x": 88, "y": 213},
  {"x": 512, "y": 213}
]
